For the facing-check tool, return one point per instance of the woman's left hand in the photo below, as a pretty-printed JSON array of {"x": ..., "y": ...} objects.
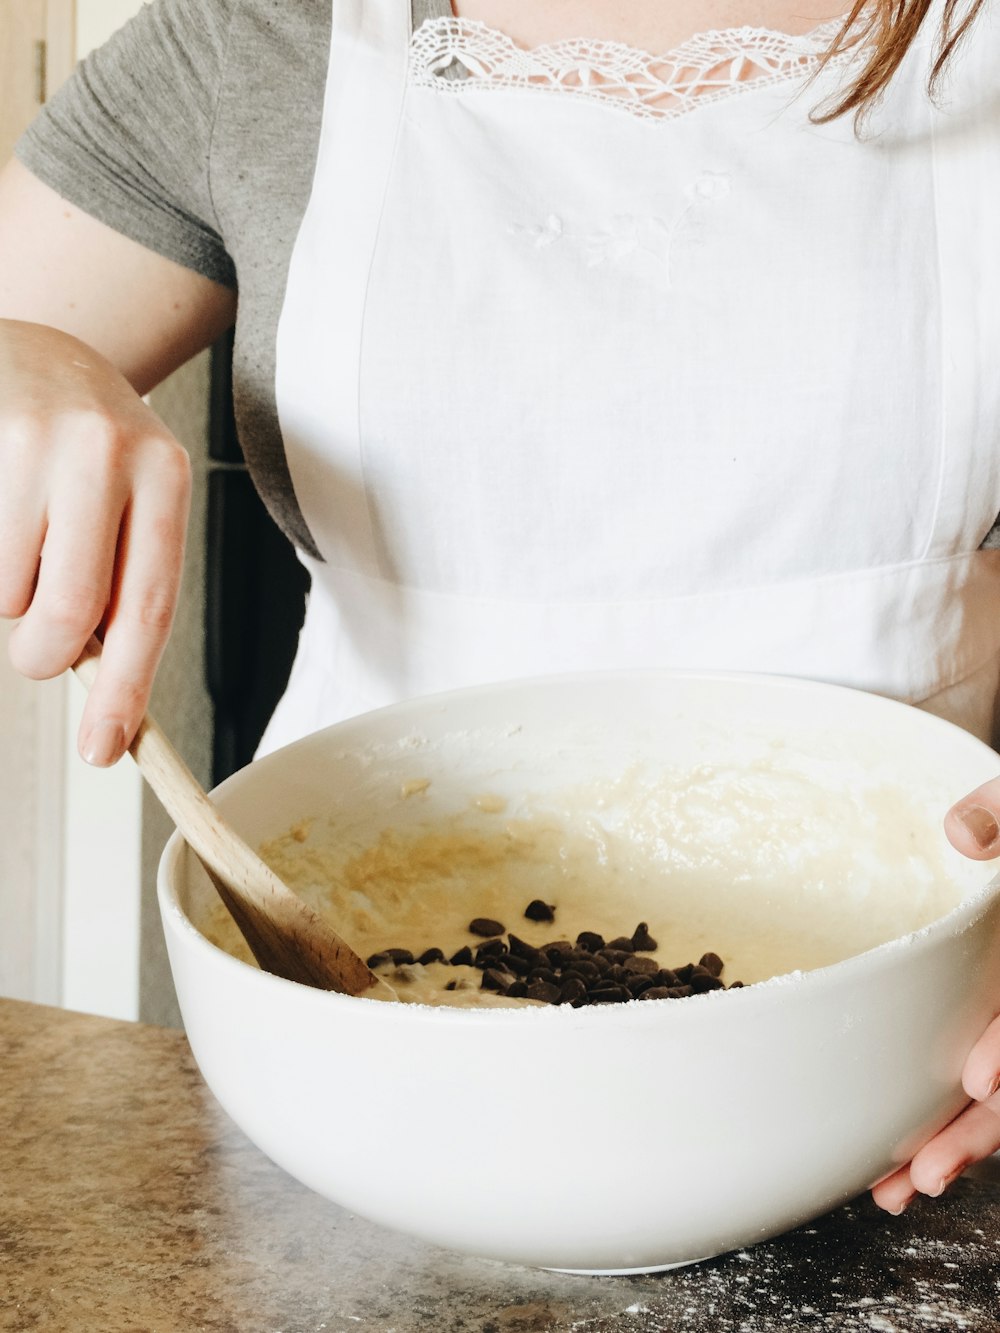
[{"x": 973, "y": 827}]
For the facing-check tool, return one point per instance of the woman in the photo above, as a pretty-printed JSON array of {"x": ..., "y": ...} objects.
[{"x": 550, "y": 353}]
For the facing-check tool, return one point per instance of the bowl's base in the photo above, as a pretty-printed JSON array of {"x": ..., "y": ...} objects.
[{"x": 629, "y": 1272}]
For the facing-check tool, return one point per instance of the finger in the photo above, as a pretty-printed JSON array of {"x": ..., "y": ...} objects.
[
  {"x": 146, "y": 585},
  {"x": 973, "y": 823},
  {"x": 894, "y": 1192},
  {"x": 981, "y": 1075},
  {"x": 971, "y": 1137},
  {"x": 22, "y": 519},
  {"x": 75, "y": 570}
]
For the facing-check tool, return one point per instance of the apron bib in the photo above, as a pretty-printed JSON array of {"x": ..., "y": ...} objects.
[{"x": 567, "y": 383}]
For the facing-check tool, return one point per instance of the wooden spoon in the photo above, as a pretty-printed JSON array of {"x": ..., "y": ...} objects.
[{"x": 285, "y": 935}]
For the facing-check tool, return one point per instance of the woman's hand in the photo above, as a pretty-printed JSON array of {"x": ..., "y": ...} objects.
[
  {"x": 93, "y": 513},
  {"x": 973, "y": 827},
  {"x": 93, "y": 487}
]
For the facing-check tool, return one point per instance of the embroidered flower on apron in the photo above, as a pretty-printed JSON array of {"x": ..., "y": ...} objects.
[{"x": 625, "y": 236}]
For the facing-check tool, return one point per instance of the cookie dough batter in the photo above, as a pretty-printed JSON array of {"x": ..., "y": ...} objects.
[{"x": 771, "y": 872}]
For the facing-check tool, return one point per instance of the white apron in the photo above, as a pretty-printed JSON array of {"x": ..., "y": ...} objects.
[{"x": 566, "y": 382}]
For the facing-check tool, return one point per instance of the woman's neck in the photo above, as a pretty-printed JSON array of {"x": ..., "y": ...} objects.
[{"x": 648, "y": 25}]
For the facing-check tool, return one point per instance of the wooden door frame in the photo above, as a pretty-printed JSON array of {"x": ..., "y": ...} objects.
[
  {"x": 74, "y": 936},
  {"x": 60, "y": 42},
  {"x": 34, "y": 968}
]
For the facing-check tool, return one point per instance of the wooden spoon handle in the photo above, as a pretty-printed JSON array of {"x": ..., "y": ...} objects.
[{"x": 285, "y": 935}]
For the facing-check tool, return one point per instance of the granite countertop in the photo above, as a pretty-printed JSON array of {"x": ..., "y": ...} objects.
[{"x": 130, "y": 1202}]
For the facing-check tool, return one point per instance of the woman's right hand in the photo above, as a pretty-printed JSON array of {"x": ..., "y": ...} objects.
[
  {"x": 93, "y": 487},
  {"x": 93, "y": 512}
]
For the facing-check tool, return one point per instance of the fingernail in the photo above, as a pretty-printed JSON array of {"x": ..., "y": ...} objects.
[
  {"x": 992, "y": 1090},
  {"x": 106, "y": 743},
  {"x": 942, "y": 1185},
  {"x": 981, "y": 824},
  {"x": 901, "y": 1208}
]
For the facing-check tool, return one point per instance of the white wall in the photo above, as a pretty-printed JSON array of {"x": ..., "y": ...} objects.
[
  {"x": 31, "y": 846},
  {"x": 70, "y": 838},
  {"x": 96, "y": 20},
  {"x": 102, "y": 878},
  {"x": 79, "y": 846}
]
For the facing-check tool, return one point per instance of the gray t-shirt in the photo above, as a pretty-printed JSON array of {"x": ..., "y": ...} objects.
[{"x": 194, "y": 131}]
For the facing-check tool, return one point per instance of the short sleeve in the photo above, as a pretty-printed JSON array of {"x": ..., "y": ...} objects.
[{"x": 129, "y": 138}]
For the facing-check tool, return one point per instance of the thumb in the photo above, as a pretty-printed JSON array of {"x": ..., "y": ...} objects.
[{"x": 972, "y": 825}]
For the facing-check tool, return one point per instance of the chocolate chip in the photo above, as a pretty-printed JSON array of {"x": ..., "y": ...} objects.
[
  {"x": 544, "y": 974},
  {"x": 572, "y": 990},
  {"x": 638, "y": 964},
  {"x": 736, "y": 985},
  {"x": 484, "y": 925},
  {"x": 544, "y": 990},
  {"x": 642, "y": 941},
  {"x": 713, "y": 963},
  {"x": 590, "y": 940},
  {"x": 491, "y": 949},
  {"x": 587, "y": 972},
  {"x": 657, "y": 993},
  {"x": 407, "y": 973},
  {"x": 521, "y": 948},
  {"x": 557, "y": 947},
  {"x": 539, "y": 911},
  {"x": 704, "y": 982},
  {"x": 570, "y": 957},
  {"x": 587, "y": 969},
  {"x": 497, "y": 965},
  {"x": 639, "y": 984}
]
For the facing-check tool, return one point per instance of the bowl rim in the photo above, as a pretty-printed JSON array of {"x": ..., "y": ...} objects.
[{"x": 962, "y": 917}]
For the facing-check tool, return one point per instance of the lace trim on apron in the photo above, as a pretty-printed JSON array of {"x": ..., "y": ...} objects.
[{"x": 458, "y": 55}]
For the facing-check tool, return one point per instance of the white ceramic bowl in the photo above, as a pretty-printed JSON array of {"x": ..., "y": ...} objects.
[{"x": 617, "y": 1138}]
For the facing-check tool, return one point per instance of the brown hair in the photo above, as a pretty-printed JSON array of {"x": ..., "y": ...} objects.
[{"x": 888, "y": 28}]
